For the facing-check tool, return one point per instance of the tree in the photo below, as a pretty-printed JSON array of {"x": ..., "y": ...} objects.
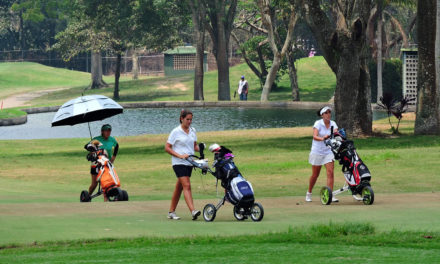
[
  {"x": 255, "y": 50},
  {"x": 269, "y": 20},
  {"x": 31, "y": 24},
  {"x": 132, "y": 23},
  {"x": 116, "y": 18},
  {"x": 340, "y": 29},
  {"x": 221, "y": 15},
  {"x": 251, "y": 39},
  {"x": 80, "y": 37},
  {"x": 380, "y": 39},
  {"x": 198, "y": 12},
  {"x": 428, "y": 94}
]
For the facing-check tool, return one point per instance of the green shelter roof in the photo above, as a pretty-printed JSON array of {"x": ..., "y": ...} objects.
[
  {"x": 408, "y": 49},
  {"x": 182, "y": 50}
]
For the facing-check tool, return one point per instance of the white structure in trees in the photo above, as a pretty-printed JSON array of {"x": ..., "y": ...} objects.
[{"x": 410, "y": 60}]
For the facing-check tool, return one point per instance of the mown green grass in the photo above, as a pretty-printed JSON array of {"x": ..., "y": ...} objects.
[
  {"x": 40, "y": 182},
  {"x": 317, "y": 83},
  {"x": 340, "y": 243},
  {"x": 21, "y": 77},
  {"x": 11, "y": 113},
  {"x": 275, "y": 160}
]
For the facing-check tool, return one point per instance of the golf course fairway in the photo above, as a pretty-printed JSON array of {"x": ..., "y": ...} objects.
[{"x": 42, "y": 220}]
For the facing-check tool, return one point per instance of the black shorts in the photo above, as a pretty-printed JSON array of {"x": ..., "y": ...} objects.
[
  {"x": 182, "y": 170},
  {"x": 94, "y": 170}
]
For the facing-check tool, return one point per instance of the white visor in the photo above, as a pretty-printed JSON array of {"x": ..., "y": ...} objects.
[{"x": 323, "y": 110}]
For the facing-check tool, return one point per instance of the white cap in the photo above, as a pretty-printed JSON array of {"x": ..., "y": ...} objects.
[
  {"x": 323, "y": 110},
  {"x": 214, "y": 147}
]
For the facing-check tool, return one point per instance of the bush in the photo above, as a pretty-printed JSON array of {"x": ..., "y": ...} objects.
[{"x": 391, "y": 79}]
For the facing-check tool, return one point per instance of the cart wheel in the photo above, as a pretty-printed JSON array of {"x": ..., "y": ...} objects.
[
  {"x": 326, "y": 195},
  {"x": 237, "y": 215},
  {"x": 368, "y": 195},
  {"x": 257, "y": 212},
  {"x": 209, "y": 212},
  {"x": 115, "y": 195},
  {"x": 124, "y": 195},
  {"x": 85, "y": 197}
]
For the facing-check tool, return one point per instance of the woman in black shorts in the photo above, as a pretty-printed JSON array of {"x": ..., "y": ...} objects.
[{"x": 181, "y": 143}]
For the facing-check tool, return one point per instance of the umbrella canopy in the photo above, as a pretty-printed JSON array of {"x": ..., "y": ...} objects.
[{"x": 85, "y": 109}]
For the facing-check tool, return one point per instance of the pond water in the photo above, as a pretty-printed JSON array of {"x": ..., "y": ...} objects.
[{"x": 162, "y": 120}]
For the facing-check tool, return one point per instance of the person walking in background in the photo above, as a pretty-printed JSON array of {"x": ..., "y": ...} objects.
[
  {"x": 181, "y": 143},
  {"x": 243, "y": 89},
  {"x": 320, "y": 154}
]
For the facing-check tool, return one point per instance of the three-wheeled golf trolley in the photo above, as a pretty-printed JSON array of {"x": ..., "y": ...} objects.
[
  {"x": 357, "y": 176},
  {"x": 238, "y": 191}
]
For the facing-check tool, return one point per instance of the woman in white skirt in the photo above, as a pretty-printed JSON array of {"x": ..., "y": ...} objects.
[{"x": 321, "y": 154}]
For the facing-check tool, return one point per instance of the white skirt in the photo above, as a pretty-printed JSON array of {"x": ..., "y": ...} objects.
[{"x": 319, "y": 160}]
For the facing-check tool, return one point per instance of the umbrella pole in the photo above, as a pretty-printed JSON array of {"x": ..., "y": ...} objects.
[{"x": 90, "y": 131}]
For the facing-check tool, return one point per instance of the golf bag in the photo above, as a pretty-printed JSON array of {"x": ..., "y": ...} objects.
[
  {"x": 354, "y": 169},
  {"x": 107, "y": 177},
  {"x": 238, "y": 190}
]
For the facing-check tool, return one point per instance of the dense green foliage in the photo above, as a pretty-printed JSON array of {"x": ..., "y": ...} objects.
[{"x": 391, "y": 78}]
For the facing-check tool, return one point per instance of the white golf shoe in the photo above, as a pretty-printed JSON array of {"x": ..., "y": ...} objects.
[
  {"x": 308, "y": 197},
  {"x": 195, "y": 214},
  {"x": 173, "y": 216}
]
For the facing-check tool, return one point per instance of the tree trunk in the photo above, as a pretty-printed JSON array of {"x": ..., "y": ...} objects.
[
  {"x": 353, "y": 92},
  {"x": 198, "y": 17},
  {"x": 198, "y": 70},
  {"x": 427, "y": 113},
  {"x": 437, "y": 52},
  {"x": 343, "y": 42},
  {"x": 379, "y": 52},
  {"x": 270, "y": 79},
  {"x": 269, "y": 20},
  {"x": 135, "y": 66},
  {"x": 221, "y": 17},
  {"x": 21, "y": 32},
  {"x": 96, "y": 71},
  {"x": 293, "y": 76},
  {"x": 117, "y": 75},
  {"x": 221, "y": 56}
]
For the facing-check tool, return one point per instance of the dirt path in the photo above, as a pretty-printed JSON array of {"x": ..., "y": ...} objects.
[
  {"x": 281, "y": 204},
  {"x": 18, "y": 100}
]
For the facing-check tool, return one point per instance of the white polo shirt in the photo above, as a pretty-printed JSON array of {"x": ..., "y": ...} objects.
[
  {"x": 319, "y": 147},
  {"x": 182, "y": 143}
]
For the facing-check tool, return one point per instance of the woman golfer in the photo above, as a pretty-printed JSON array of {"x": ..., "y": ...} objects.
[
  {"x": 321, "y": 154},
  {"x": 181, "y": 143}
]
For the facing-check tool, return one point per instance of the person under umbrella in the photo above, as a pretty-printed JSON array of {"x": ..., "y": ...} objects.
[{"x": 110, "y": 146}]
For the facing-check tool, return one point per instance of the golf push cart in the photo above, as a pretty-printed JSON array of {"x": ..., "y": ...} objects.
[
  {"x": 357, "y": 176},
  {"x": 238, "y": 191},
  {"x": 108, "y": 180}
]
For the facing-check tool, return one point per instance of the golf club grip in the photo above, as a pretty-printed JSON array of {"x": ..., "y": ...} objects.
[{"x": 331, "y": 132}]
